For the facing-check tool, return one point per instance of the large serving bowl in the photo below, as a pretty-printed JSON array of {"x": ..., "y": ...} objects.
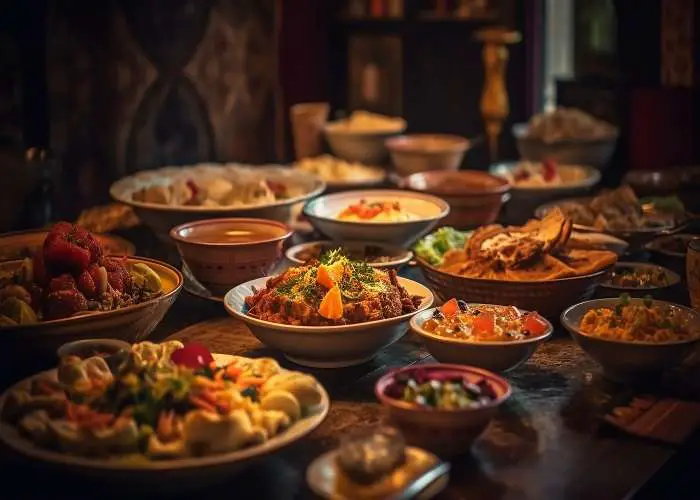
[
  {"x": 636, "y": 238},
  {"x": 161, "y": 218},
  {"x": 132, "y": 323},
  {"x": 627, "y": 361},
  {"x": 609, "y": 289},
  {"x": 430, "y": 210},
  {"x": 18, "y": 245},
  {"x": 548, "y": 298},
  {"x": 475, "y": 198},
  {"x": 576, "y": 181},
  {"x": 596, "y": 152},
  {"x": 445, "y": 432},
  {"x": 325, "y": 346},
  {"x": 218, "y": 264},
  {"x": 415, "y": 153},
  {"x": 158, "y": 476},
  {"x": 394, "y": 256},
  {"x": 364, "y": 146},
  {"x": 498, "y": 356}
]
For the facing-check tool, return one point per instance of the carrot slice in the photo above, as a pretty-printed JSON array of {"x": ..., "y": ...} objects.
[
  {"x": 332, "y": 304},
  {"x": 450, "y": 308},
  {"x": 247, "y": 381}
]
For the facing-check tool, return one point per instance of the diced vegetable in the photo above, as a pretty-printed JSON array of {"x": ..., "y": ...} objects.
[
  {"x": 450, "y": 308},
  {"x": 332, "y": 304},
  {"x": 535, "y": 324}
]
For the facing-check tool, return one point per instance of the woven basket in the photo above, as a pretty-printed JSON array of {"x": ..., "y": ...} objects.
[{"x": 549, "y": 298}]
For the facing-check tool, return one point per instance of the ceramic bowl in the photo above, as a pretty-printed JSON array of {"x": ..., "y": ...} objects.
[
  {"x": 18, "y": 245},
  {"x": 498, "y": 356},
  {"x": 577, "y": 180},
  {"x": 91, "y": 347},
  {"x": 415, "y": 153},
  {"x": 475, "y": 198},
  {"x": 161, "y": 218},
  {"x": 596, "y": 153},
  {"x": 608, "y": 289},
  {"x": 445, "y": 432},
  {"x": 131, "y": 324},
  {"x": 429, "y": 211},
  {"x": 670, "y": 251},
  {"x": 325, "y": 346},
  {"x": 653, "y": 182},
  {"x": 357, "y": 250},
  {"x": 627, "y": 361},
  {"x": 220, "y": 265},
  {"x": 358, "y": 145}
]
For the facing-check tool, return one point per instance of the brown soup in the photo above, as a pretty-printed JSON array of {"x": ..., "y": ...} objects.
[{"x": 229, "y": 233}]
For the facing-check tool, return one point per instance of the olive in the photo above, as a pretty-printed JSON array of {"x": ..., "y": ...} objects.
[{"x": 463, "y": 306}]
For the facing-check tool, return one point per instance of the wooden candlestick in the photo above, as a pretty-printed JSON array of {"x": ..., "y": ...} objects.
[{"x": 494, "y": 97}]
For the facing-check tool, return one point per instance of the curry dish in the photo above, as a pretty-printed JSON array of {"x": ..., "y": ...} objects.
[
  {"x": 336, "y": 291},
  {"x": 536, "y": 251}
]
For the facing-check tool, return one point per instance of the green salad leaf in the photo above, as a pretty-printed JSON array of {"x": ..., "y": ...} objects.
[
  {"x": 433, "y": 247},
  {"x": 671, "y": 204}
]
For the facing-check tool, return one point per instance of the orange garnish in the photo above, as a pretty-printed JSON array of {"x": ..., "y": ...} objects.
[{"x": 332, "y": 304}]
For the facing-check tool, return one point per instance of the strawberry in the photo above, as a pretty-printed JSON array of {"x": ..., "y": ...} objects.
[
  {"x": 70, "y": 248},
  {"x": 117, "y": 274},
  {"x": 64, "y": 303},
  {"x": 86, "y": 284},
  {"x": 62, "y": 282}
]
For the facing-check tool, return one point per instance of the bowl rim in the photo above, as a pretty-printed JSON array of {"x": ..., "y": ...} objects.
[
  {"x": 519, "y": 131},
  {"x": 86, "y": 318},
  {"x": 593, "y": 177},
  {"x": 503, "y": 188},
  {"x": 418, "y": 329},
  {"x": 178, "y": 238},
  {"x": 126, "y": 245},
  {"x": 654, "y": 245},
  {"x": 674, "y": 278},
  {"x": 78, "y": 344},
  {"x": 118, "y": 193},
  {"x": 387, "y": 193},
  {"x": 405, "y": 255},
  {"x": 403, "y": 143},
  {"x": 385, "y": 380},
  {"x": 590, "y": 304},
  {"x": 426, "y": 302},
  {"x": 333, "y": 128},
  {"x": 434, "y": 269}
]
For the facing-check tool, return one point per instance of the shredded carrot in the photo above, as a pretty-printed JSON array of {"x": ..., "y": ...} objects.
[
  {"x": 202, "y": 404},
  {"x": 233, "y": 371},
  {"x": 250, "y": 380}
]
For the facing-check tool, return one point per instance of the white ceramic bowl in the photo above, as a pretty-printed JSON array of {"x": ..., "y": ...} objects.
[
  {"x": 416, "y": 153},
  {"x": 430, "y": 210},
  {"x": 493, "y": 355},
  {"x": 577, "y": 180},
  {"x": 161, "y": 218},
  {"x": 396, "y": 256},
  {"x": 356, "y": 145},
  {"x": 325, "y": 346}
]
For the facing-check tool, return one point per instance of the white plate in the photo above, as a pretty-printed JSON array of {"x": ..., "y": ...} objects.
[{"x": 155, "y": 472}]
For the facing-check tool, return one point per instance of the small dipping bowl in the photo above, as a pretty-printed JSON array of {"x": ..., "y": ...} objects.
[
  {"x": 223, "y": 253},
  {"x": 608, "y": 289},
  {"x": 88, "y": 348},
  {"x": 422, "y": 152},
  {"x": 444, "y": 432}
]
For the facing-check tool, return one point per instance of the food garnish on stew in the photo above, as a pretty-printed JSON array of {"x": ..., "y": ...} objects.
[
  {"x": 70, "y": 275},
  {"x": 639, "y": 277},
  {"x": 159, "y": 401},
  {"x": 484, "y": 322},
  {"x": 638, "y": 321},
  {"x": 441, "y": 390},
  {"x": 335, "y": 291},
  {"x": 375, "y": 211},
  {"x": 536, "y": 251}
]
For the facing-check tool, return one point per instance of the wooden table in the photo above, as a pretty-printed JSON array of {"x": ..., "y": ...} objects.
[{"x": 546, "y": 443}]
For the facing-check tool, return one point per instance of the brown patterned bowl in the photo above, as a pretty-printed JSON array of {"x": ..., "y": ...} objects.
[
  {"x": 223, "y": 253},
  {"x": 444, "y": 432},
  {"x": 475, "y": 198},
  {"x": 549, "y": 298}
]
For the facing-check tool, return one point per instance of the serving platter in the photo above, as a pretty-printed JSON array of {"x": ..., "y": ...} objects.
[{"x": 159, "y": 473}]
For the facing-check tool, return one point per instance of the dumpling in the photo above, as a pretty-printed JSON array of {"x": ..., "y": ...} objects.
[
  {"x": 304, "y": 387},
  {"x": 87, "y": 377},
  {"x": 123, "y": 437},
  {"x": 218, "y": 189},
  {"x": 157, "y": 449},
  {"x": 281, "y": 400},
  {"x": 206, "y": 432}
]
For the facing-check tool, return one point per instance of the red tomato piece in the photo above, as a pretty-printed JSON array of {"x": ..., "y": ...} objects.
[
  {"x": 484, "y": 323},
  {"x": 534, "y": 324},
  {"x": 450, "y": 308}
]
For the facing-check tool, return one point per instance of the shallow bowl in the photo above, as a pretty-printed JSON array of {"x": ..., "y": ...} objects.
[
  {"x": 498, "y": 356},
  {"x": 445, "y": 432},
  {"x": 475, "y": 198},
  {"x": 670, "y": 256},
  {"x": 429, "y": 211},
  {"x": 609, "y": 290},
  {"x": 220, "y": 265},
  {"x": 415, "y": 153},
  {"x": 627, "y": 361},
  {"x": 325, "y": 346},
  {"x": 358, "y": 145}
]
